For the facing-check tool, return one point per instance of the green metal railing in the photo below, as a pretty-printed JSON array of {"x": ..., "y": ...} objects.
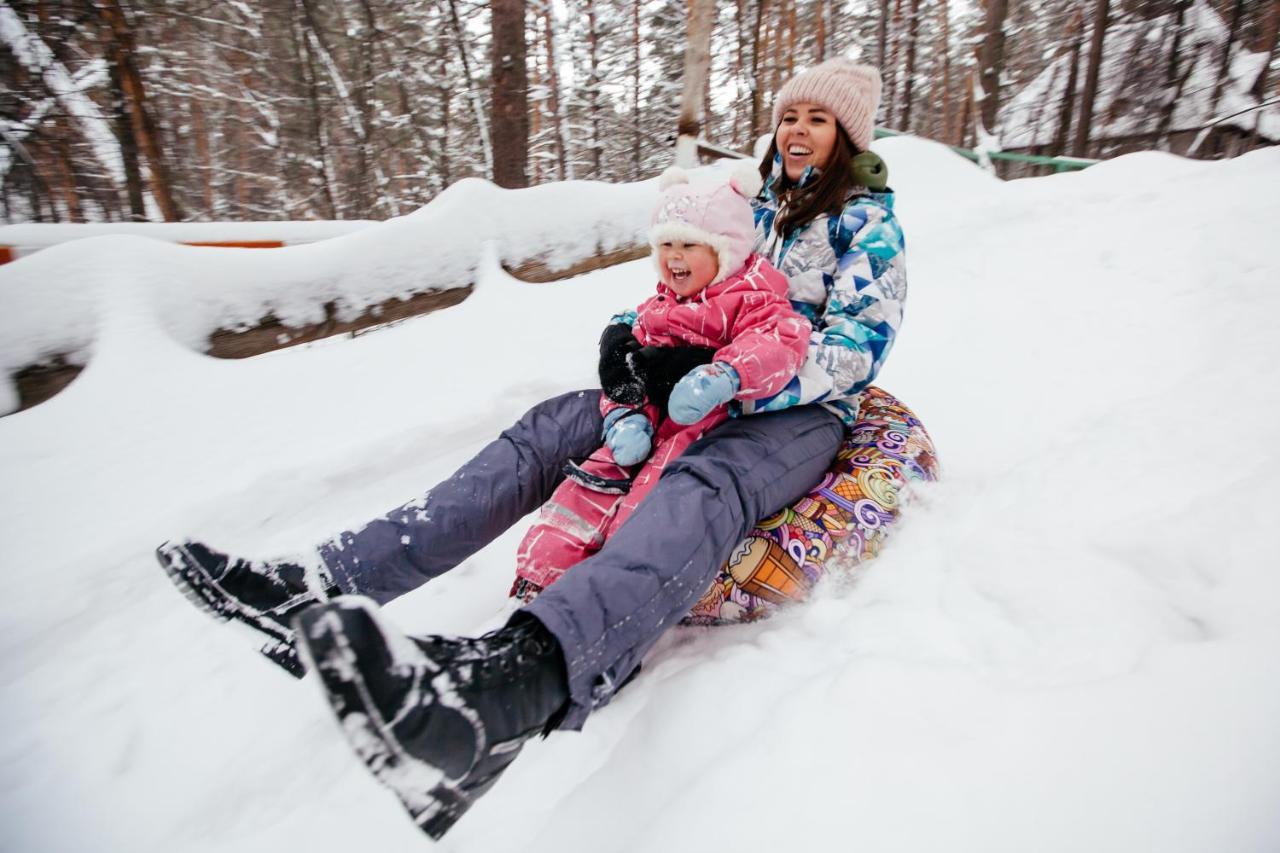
[{"x": 1060, "y": 164}]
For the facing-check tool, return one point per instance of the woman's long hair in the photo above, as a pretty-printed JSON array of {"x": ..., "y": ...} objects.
[{"x": 825, "y": 195}]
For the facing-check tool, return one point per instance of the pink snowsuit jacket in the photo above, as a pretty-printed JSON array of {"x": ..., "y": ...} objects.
[{"x": 749, "y": 320}]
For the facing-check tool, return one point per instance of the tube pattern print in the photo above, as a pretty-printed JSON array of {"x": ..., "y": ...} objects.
[{"x": 843, "y": 522}]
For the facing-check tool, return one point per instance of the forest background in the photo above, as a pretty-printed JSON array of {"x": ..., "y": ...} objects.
[{"x": 199, "y": 110}]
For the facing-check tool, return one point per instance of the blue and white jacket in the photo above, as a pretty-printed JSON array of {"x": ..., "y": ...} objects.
[{"x": 846, "y": 274}]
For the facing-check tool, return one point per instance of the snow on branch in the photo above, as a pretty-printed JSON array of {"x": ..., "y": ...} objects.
[{"x": 38, "y": 59}]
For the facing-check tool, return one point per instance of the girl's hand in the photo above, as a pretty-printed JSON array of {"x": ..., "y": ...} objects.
[
  {"x": 702, "y": 390},
  {"x": 629, "y": 436},
  {"x": 617, "y": 379}
]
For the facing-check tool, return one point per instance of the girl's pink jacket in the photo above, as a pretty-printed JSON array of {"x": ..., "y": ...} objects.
[{"x": 747, "y": 316}]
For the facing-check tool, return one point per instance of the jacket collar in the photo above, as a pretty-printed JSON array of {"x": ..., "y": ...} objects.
[{"x": 807, "y": 177}]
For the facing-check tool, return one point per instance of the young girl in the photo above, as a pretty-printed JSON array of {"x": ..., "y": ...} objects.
[
  {"x": 438, "y": 719},
  {"x": 713, "y": 293}
]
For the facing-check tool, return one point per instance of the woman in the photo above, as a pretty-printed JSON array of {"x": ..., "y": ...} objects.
[{"x": 438, "y": 719}]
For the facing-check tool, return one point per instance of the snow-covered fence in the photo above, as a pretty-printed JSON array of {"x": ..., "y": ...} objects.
[
  {"x": 236, "y": 303},
  {"x": 20, "y": 241}
]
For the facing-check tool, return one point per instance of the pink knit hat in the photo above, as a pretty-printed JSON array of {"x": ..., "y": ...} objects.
[
  {"x": 849, "y": 89},
  {"x": 718, "y": 215}
]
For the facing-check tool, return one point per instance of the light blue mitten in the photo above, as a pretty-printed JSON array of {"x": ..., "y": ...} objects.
[
  {"x": 629, "y": 436},
  {"x": 700, "y": 391}
]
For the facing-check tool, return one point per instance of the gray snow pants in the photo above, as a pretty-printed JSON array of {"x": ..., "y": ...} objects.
[{"x": 608, "y": 610}]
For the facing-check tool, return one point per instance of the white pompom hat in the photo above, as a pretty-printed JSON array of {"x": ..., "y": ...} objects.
[{"x": 718, "y": 215}]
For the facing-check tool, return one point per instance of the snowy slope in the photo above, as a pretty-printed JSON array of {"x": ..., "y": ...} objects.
[{"x": 1071, "y": 645}]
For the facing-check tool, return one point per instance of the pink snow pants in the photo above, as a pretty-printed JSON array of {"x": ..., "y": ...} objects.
[{"x": 577, "y": 520}]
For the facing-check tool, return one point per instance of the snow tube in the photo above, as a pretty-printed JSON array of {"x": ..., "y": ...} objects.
[{"x": 840, "y": 524}]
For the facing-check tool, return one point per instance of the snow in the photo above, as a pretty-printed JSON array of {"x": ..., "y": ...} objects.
[{"x": 1069, "y": 645}]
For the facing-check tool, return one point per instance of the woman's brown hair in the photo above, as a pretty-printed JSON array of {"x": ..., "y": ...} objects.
[{"x": 825, "y": 195}]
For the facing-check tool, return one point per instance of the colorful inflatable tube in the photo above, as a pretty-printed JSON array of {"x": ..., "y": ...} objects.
[{"x": 848, "y": 515}]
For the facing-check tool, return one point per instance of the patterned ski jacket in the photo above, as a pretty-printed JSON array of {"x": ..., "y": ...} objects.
[
  {"x": 847, "y": 275},
  {"x": 747, "y": 317}
]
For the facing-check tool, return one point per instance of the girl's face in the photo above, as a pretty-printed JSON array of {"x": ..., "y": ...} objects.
[
  {"x": 687, "y": 268},
  {"x": 806, "y": 137}
]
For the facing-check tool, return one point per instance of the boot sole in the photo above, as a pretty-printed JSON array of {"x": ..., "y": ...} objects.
[
  {"x": 329, "y": 641},
  {"x": 204, "y": 591}
]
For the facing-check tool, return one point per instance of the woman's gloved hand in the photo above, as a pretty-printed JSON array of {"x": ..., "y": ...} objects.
[
  {"x": 660, "y": 368},
  {"x": 702, "y": 390},
  {"x": 628, "y": 435},
  {"x": 617, "y": 379}
]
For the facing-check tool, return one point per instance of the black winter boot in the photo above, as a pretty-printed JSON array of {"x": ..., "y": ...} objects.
[
  {"x": 263, "y": 595},
  {"x": 436, "y": 719}
]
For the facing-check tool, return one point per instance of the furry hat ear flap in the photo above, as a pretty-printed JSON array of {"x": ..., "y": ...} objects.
[
  {"x": 746, "y": 180},
  {"x": 672, "y": 176}
]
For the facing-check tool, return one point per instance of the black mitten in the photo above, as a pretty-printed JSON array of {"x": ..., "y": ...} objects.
[
  {"x": 660, "y": 368},
  {"x": 617, "y": 380}
]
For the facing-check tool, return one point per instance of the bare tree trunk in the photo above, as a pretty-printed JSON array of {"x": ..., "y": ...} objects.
[
  {"x": 303, "y": 49},
  {"x": 1267, "y": 42},
  {"x": 966, "y": 112},
  {"x": 889, "y": 71},
  {"x": 789, "y": 22},
  {"x": 944, "y": 49},
  {"x": 201, "y": 131},
  {"x": 742, "y": 107},
  {"x": 535, "y": 123},
  {"x": 1233, "y": 30},
  {"x": 128, "y": 144},
  {"x": 509, "y": 89},
  {"x": 1075, "y": 37},
  {"x": 908, "y": 73},
  {"x": 1081, "y": 145},
  {"x": 991, "y": 63},
  {"x": 697, "y": 57},
  {"x": 593, "y": 84},
  {"x": 67, "y": 180},
  {"x": 775, "y": 48},
  {"x": 635, "y": 92},
  {"x": 135, "y": 98},
  {"x": 882, "y": 36},
  {"x": 820, "y": 31},
  {"x": 758, "y": 69},
  {"x": 553, "y": 81},
  {"x": 459, "y": 38},
  {"x": 366, "y": 41},
  {"x": 1175, "y": 78}
]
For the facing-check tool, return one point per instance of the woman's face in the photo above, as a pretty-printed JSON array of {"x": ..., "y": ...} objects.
[{"x": 806, "y": 137}]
